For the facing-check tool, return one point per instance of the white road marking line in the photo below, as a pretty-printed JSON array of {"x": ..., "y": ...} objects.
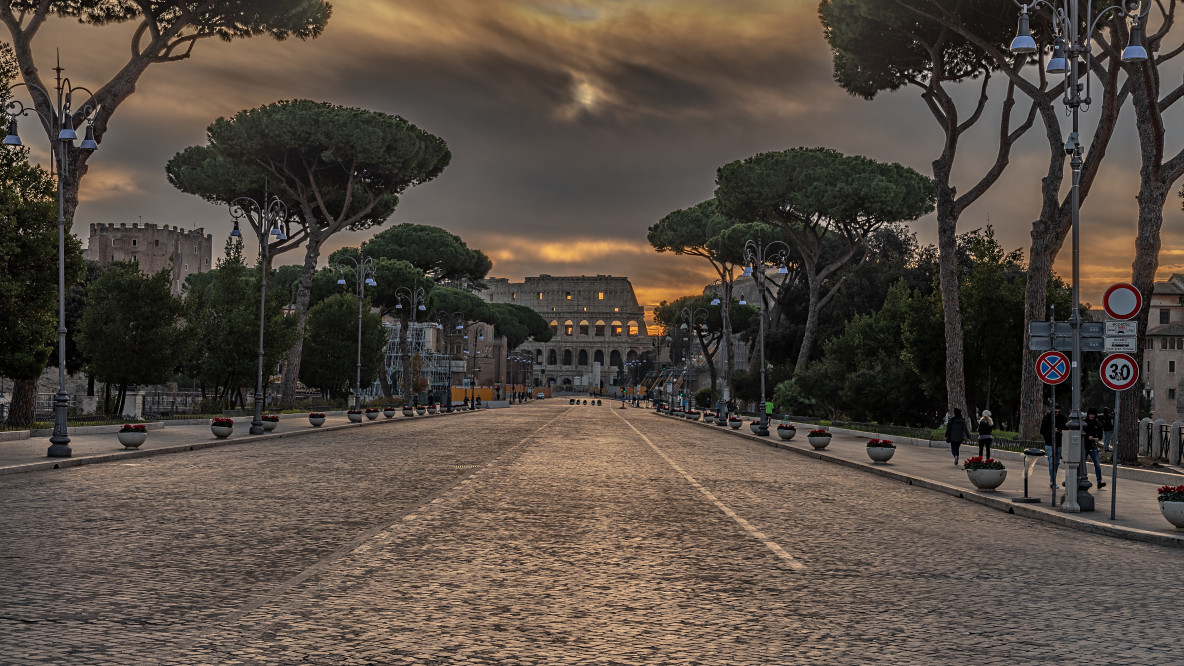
[{"x": 793, "y": 562}]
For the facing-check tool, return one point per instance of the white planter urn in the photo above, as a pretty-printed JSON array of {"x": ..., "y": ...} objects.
[
  {"x": 788, "y": 433},
  {"x": 1173, "y": 512},
  {"x": 132, "y": 440},
  {"x": 316, "y": 421},
  {"x": 354, "y": 418},
  {"x": 986, "y": 479},
  {"x": 881, "y": 454}
]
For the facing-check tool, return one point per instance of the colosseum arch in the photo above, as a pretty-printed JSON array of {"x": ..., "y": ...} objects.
[
  {"x": 552, "y": 358},
  {"x": 567, "y": 357},
  {"x": 584, "y": 327},
  {"x": 614, "y": 359},
  {"x": 633, "y": 329},
  {"x": 599, "y": 357},
  {"x": 568, "y": 328},
  {"x": 616, "y": 329},
  {"x": 631, "y": 356},
  {"x": 583, "y": 357},
  {"x": 600, "y": 328},
  {"x": 554, "y": 327}
]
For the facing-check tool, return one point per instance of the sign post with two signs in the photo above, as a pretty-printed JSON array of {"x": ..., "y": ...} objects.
[{"x": 1119, "y": 370}]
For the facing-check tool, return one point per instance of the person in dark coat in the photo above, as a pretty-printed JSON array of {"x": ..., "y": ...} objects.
[
  {"x": 956, "y": 432},
  {"x": 1092, "y": 433},
  {"x": 986, "y": 428},
  {"x": 1051, "y": 428}
]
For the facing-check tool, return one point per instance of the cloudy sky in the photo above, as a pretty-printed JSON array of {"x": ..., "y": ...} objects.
[{"x": 574, "y": 125}]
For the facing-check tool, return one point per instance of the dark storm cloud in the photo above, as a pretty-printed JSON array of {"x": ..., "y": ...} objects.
[{"x": 574, "y": 125}]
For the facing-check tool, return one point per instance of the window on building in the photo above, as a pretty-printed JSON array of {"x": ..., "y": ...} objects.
[
  {"x": 1151, "y": 343},
  {"x": 186, "y": 268},
  {"x": 583, "y": 328},
  {"x": 1179, "y": 343},
  {"x": 599, "y": 357},
  {"x": 1163, "y": 343},
  {"x": 540, "y": 295},
  {"x": 1171, "y": 343},
  {"x": 632, "y": 328},
  {"x": 567, "y": 357},
  {"x": 1171, "y": 394},
  {"x": 1165, "y": 316},
  {"x": 568, "y": 328},
  {"x": 514, "y": 296},
  {"x": 583, "y": 357},
  {"x": 552, "y": 358},
  {"x": 600, "y": 329},
  {"x": 554, "y": 328},
  {"x": 567, "y": 296},
  {"x": 135, "y": 242},
  {"x": 156, "y": 242},
  {"x": 616, "y": 309},
  {"x": 195, "y": 249},
  {"x": 1171, "y": 366},
  {"x": 615, "y": 331},
  {"x": 600, "y": 295}
]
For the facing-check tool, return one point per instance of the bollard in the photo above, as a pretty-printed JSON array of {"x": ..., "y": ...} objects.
[
  {"x": 1145, "y": 436},
  {"x": 1174, "y": 443},
  {"x": 1156, "y": 436}
]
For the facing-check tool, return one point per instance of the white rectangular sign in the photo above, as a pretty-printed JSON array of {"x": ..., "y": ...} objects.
[
  {"x": 1121, "y": 328},
  {"x": 1123, "y": 344}
]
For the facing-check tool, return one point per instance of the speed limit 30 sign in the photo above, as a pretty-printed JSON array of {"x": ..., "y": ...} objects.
[{"x": 1119, "y": 371}]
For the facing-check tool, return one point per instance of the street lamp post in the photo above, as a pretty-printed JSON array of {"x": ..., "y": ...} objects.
[
  {"x": 1070, "y": 48},
  {"x": 756, "y": 256},
  {"x": 363, "y": 272},
  {"x": 265, "y": 219},
  {"x": 63, "y": 123},
  {"x": 689, "y": 317},
  {"x": 444, "y": 322},
  {"x": 415, "y": 298}
]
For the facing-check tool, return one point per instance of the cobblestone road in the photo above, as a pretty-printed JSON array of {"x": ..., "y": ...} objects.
[{"x": 550, "y": 534}]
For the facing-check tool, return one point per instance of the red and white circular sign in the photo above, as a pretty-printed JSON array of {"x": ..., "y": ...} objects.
[
  {"x": 1052, "y": 367},
  {"x": 1122, "y": 301},
  {"x": 1119, "y": 371}
]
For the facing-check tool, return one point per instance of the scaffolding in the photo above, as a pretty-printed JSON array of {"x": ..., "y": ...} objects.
[{"x": 434, "y": 366}]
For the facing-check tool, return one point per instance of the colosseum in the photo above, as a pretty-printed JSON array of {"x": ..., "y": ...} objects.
[{"x": 597, "y": 323}]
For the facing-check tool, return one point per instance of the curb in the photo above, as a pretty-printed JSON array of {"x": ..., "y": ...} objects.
[
  {"x": 62, "y": 463},
  {"x": 1025, "y": 510}
]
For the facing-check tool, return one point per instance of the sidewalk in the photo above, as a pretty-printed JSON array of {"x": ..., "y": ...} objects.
[
  {"x": 97, "y": 444},
  {"x": 1137, "y": 515}
]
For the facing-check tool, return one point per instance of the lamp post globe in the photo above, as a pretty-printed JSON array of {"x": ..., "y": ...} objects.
[{"x": 363, "y": 271}]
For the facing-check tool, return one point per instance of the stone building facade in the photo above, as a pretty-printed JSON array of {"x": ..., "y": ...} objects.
[
  {"x": 597, "y": 323},
  {"x": 1163, "y": 357},
  {"x": 153, "y": 247}
]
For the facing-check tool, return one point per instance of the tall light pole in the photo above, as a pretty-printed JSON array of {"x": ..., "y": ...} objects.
[
  {"x": 689, "y": 317},
  {"x": 63, "y": 125},
  {"x": 363, "y": 273},
  {"x": 415, "y": 297},
  {"x": 756, "y": 256},
  {"x": 265, "y": 219},
  {"x": 445, "y": 321},
  {"x": 1070, "y": 48}
]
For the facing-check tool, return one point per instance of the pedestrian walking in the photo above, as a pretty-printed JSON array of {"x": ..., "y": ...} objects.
[
  {"x": 986, "y": 427},
  {"x": 1093, "y": 434},
  {"x": 1107, "y": 419},
  {"x": 956, "y": 433},
  {"x": 1051, "y": 428}
]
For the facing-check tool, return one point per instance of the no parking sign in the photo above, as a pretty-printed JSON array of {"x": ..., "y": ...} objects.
[{"x": 1052, "y": 367}]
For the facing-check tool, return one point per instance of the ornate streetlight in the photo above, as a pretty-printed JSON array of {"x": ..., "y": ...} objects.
[
  {"x": 265, "y": 219},
  {"x": 62, "y": 124},
  {"x": 445, "y": 321},
  {"x": 363, "y": 273},
  {"x": 1071, "y": 47},
  {"x": 689, "y": 317},
  {"x": 415, "y": 298},
  {"x": 756, "y": 256}
]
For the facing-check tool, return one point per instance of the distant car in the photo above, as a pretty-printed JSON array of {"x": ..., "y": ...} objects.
[{"x": 540, "y": 394}]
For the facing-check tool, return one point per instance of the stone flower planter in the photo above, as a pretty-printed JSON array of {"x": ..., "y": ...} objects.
[
  {"x": 819, "y": 442},
  {"x": 408, "y": 411},
  {"x": 786, "y": 432},
  {"x": 421, "y": 410},
  {"x": 389, "y": 412},
  {"x": 432, "y": 409},
  {"x": 269, "y": 425},
  {"x": 221, "y": 432},
  {"x": 372, "y": 414},
  {"x": 986, "y": 479},
  {"x": 754, "y": 426},
  {"x": 735, "y": 424},
  {"x": 1173, "y": 512},
  {"x": 881, "y": 454},
  {"x": 316, "y": 421},
  {"x": 132, "y": 440},
  {"x": 354, "y": 418}
]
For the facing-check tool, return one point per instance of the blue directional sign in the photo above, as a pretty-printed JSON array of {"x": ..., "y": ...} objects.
[{"x": 1052, "y": 367}]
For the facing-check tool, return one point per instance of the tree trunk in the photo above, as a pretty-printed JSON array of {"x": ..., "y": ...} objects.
[
  {"x": 24, "y": 398},
  {"x": 814, "y": 289},
  {"x": 303, "y": 295},
  {"x": 947, "y": 257}
]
